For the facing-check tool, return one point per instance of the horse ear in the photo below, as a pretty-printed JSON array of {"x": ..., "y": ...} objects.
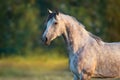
[
  {"x": 49, "y": 11},
  {"x": 57, "y": 12}
]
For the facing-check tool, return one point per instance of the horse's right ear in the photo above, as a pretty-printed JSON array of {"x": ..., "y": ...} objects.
[
  {"x": 57, "y": 12},
  {"x": 49, "y": 11}
]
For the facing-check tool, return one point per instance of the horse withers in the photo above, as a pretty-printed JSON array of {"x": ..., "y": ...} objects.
[{"x": 89, "y": 56}]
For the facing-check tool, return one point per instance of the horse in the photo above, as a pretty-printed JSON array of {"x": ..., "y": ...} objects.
[{"x": 89, "y": 56}]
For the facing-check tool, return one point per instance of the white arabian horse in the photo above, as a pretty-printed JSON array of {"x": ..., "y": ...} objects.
[{"x": 89, "y": 56}]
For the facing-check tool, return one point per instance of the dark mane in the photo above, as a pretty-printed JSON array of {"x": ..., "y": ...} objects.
[{"x": 98, "y": 39}]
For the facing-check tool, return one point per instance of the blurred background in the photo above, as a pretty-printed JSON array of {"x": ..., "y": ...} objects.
[{"x": 22, "y": 54}]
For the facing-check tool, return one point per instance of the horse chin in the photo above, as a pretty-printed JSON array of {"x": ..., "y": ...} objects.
[{"x": 47, "y": 43}]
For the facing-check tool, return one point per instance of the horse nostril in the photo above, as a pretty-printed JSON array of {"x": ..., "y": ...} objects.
[{"x": 44, "y": 39}]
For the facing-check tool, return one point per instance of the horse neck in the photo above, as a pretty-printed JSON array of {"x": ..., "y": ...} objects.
[{"x": 75, "y": 35}]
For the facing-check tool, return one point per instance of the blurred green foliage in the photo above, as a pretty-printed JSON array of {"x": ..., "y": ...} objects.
[{"x": 22, "y": 23}]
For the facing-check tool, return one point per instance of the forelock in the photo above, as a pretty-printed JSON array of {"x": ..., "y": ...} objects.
[{"x": 51, "y": 16}]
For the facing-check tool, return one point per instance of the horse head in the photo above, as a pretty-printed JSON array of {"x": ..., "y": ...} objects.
[{"x": 54, "y": 27}]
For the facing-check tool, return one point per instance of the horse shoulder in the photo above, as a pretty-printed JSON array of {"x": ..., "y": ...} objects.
[{"x": 87, "y": 61}]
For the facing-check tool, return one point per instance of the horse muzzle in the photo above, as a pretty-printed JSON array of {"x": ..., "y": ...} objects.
[{"x": 45, "y": 40}]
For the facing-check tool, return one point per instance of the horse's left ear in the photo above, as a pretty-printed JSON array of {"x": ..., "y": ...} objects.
[
  {"x": 50, "y": 11},
  {"x": 57, "y": 12}
]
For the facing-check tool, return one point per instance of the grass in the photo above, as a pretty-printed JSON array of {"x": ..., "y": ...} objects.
[
  {"x": 35, "y": 68},
  {"x": 33, "y": 62}
]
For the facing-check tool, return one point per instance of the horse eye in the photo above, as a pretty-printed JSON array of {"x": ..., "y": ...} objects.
[{"x": 55, "y": 23}]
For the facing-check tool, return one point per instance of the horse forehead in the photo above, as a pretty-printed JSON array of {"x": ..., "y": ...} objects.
[
  {"x": 51, "y": 16},
  {"x": 50, "y": 22}
]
